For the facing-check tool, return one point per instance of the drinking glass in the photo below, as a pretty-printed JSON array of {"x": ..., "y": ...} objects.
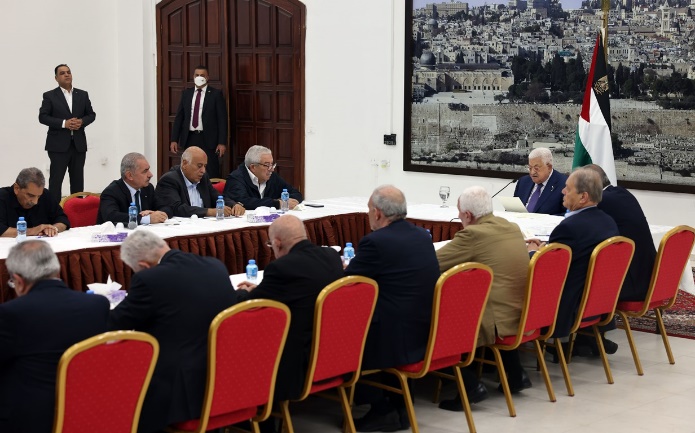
[{"x": 444, "y": 194}]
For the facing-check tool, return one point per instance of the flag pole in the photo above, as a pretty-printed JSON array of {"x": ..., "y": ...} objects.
[{"x": 605, "y": 7}]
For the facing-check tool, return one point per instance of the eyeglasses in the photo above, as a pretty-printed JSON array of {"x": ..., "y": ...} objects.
[
  {"x": 269, "y": 244},
  {"x": 268, "y": 165},
  {"x": 534, "y": 167}
]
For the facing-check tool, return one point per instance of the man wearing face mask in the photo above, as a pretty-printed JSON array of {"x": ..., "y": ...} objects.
[{"x": 201, "y": 120}]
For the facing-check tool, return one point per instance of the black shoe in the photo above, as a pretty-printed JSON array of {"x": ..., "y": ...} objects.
[
  {"x": 517, "y": 385},
  {"x": 475, "y": 396},
  {"x": 610, "y": 346},
  {"x": 372, "y": 421},
  {"x": 403, "y": 418}
]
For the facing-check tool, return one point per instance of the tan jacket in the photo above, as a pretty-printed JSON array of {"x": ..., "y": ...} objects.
[{"x": 499, "y": 244}]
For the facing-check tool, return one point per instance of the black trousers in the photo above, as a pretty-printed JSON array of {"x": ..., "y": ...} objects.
[
  {"x": 198, "y": 139},
  {"x": 71, "y": 161}
]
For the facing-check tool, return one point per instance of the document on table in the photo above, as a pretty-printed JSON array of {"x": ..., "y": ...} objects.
[{"x": 236, "y": 279}]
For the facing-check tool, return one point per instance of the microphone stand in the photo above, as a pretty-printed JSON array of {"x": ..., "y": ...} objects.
[{"x": 504, "y": 187}]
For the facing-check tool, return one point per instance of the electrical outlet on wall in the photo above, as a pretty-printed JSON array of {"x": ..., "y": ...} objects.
[{"x": 390, "y": 139}]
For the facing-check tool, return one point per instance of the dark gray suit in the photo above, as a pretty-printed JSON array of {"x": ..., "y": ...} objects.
[
  {"x": 67, "y": 149},
  {"x": 172, "y": 197}
]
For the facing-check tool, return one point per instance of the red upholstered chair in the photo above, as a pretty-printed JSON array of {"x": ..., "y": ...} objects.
[
  {"x": 120, "y": 362},
  {"x": 81, "y": 208},
  {"x": 245, "y": 342},
  {"x": 673, "y": 256},
  {"x": 218, "y": 184},
  {"x": 545, "y": 281},
  {"x": 459, "y": 302},
  {"x": 341, "y": 320},
  {"x": 607, "y": 269}
]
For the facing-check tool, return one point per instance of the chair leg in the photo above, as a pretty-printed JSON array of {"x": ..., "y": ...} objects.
[
  {"x": 544, "y": 370},
  {"x": 254, "y": 427},
  {"x": 285, "y": 412},
  {"x": 348, "y": 424},
  {"x": 631, "y": 341},
  {"x": 408, "y": 402},
  {"x": 571, "y": 347},
  {"x": 464, "y": 399},
  {"x": 563, "y": 367},
  {"x": 602, "y": 352},
  {"x": 664, "y": 336},
  {"x": 503, "y": 381},
  {"x": 437, "y": 391}
]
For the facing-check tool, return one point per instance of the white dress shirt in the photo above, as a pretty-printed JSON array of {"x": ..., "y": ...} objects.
[
  {"x": 193, "y": 194},
  {"x": 254, "y": 180}
]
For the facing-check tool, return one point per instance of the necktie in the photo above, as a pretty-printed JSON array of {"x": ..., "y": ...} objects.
[
  {"x": 137, "y": 200},
  {"x": 196, "y": 108},
  {"x": 533, "y": 201}
]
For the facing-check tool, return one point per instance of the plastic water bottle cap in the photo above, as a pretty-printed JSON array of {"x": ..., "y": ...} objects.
[
  {"x": 132, "y": 203},
  {"x": 90, "y": 292},
  {"x": 349, "y": 244},
  {"x": 252, "y": 262},
  {"x": 219, "y": 197},
  {"x": 21, "y": 218}
]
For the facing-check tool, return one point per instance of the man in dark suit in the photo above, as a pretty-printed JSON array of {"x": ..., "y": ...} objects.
[
  {"x": 401, "y": 258},
  {"x": 541, "y": 191},
  {"x": 186, "y": 190},
  {"x": 35, "y": 329},
  {"x": 584, "y": 227},
  {"x": 66, "y": 111},
  {"x": 29, "y": 199},
  {"x": 624, "y": 208},
  {"x": 286, "y": 280},
  {"x": 254, "y": 184},
  {"x": 201, "y": 121},
  {"x": 133, "y": 187},
  {"x": 173, "y": 296}
]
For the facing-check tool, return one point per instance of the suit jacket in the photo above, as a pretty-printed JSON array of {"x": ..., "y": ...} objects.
[
  {"x": 213, "y": 117},
  {"x": 581, "y": 232},
  {"x": 624, "y": 208},
  {"x": 497, "y": 243},
  {"x": 287, "y": 280},
  {"x": 175, "y": 302},
  {"x": 240, "y": 188},
  {"x": 35, "y": 330},
  {"x": 171, "y": 195},
  {"x": 115, "y": 201},
  {"x": 401, "y": 258},
  {"x": 54, "y": 110},
  {"x": 550, "y": 201},
  {"x": 46, "y": 211}
]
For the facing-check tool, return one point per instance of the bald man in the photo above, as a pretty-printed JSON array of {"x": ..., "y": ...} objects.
[
  {"x": 297, "y": 276},
  {"x": 186, "y": 190}
]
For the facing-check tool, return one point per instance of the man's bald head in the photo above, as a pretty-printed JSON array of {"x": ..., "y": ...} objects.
[{"x": 284, "y": 233}]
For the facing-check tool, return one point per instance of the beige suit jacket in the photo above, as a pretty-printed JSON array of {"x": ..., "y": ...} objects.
[{"x": 499, "y": 244}]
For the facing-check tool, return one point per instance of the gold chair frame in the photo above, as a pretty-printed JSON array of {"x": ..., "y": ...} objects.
[{"x": 78, "y": 194}]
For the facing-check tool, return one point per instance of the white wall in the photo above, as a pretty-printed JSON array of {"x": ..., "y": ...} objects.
[{"x": 354, "y": 85}]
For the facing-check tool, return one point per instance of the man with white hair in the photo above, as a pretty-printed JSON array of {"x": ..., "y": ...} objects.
[
  {"x": 541, "y": 190},
  {"x": 255, "y": 183},
  {"x": 173, "y": 296},
  {"x": 35, "y": 329},
  {"x": 499, "y": 244}
]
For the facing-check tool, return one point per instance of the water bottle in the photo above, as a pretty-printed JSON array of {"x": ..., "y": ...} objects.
[
  {"x": 21, "y": 230},
  {"x": 252, "y": 271},
  {"x": 219, "y": 208},
  {"x": 348, "y": 253},
  {"x": 284, "y": 201},
  {"x": 132, "y": 216}
]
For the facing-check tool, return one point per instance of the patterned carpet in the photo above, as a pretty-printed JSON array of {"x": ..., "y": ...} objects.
[{"x": 679, "y": 319}]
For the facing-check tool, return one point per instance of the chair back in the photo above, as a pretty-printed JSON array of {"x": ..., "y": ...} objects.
[
  {"x": 81, "y": 208},
  {"x": 245, "y": 342},
  {"x": 342, "y": 316},
  {"x": 671, "y": 259},
  {"x": 218, "y": 184},
  {"x": 459, "y": 302},
  {"x": 102, "y": 383},
  {"x": 608, "y": 266}
]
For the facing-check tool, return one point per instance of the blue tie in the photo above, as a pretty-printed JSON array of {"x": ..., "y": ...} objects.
[{"x": 533, "y": 201}]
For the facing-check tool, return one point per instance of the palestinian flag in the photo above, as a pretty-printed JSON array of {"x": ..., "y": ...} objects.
[{"x": 592, "y": 142}]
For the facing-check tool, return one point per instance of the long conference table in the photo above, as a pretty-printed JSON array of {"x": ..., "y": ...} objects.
[{"x": 234, "y": 240}]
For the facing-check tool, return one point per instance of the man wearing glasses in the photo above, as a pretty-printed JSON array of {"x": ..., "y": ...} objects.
[
  {"x": 541, "y": 191},
  {"x": 253, "y": 183}
]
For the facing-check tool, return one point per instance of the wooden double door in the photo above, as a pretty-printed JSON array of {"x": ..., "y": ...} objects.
[{"x": 254, "y": 51}]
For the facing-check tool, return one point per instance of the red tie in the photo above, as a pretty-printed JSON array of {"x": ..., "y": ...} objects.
[{"x": 196, "y": 108}]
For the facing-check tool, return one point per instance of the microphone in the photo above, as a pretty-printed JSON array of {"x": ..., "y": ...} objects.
[{"x": 504, "y": 187}]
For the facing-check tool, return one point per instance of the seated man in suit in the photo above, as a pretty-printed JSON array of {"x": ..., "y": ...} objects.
[
  {"x": 133, "y": 187},
  {"x": 286, "y": 280},
  {"x": 624, "y": 208},
  {"x": 498, "y": 243},
  {"x": 174, "y": 296},
  {"x": 401, "y": 258},
  {"x": 254, "y": 184},
  {"x": 28, "y": 198},
  {"x": 35, "y": 329},
  {"x": 584, "y": 227},
  {"x": 186, "y": 190},
  {"x": 541, "y": 191}
]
